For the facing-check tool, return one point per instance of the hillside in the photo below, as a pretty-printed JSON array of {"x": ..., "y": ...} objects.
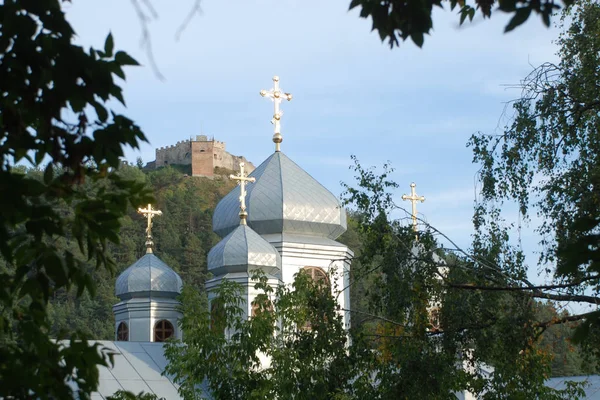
[{"x": 182, "y": 236}]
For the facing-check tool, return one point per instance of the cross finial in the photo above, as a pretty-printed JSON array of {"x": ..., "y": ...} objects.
[
  {"x": 276, "y": 95},
  {"x": 149, "y": 213},
  {"x": 242, "y": 179},
  {"x": 413, "y": 198}
]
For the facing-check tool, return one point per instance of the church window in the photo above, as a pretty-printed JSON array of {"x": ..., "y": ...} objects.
[
  {"x": 317, "y": 275},
  {"x": 217, "y": 316},
  {"x": 163, "y": 330},
  {"x": 123, "y": 332},
  {"x": 256, "y": 308}
]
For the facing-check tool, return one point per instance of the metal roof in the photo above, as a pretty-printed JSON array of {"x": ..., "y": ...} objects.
[
  {"x": 243, "y": 250},
  {"x": 284, "y": 199},
  {"x": 147, "y": 274},
  {"x": 137, "y": 368}
]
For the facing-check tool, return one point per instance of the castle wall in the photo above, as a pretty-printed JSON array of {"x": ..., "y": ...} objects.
[
  {"x": 203, "y": 154},
  {"x": 180, "y": 153}
]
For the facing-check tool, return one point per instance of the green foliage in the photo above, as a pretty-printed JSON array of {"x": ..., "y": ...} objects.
[
  {"x": 568, "y": 359},
  {"x": 298, "y": 329},
  {"x": 399, "y": 20},
  {"x": 122, "y": 395},
  {"x": 182, "y": 236},
  {"x": 54, "y": 116},
  {"x": 548, "y": 162},
  {"x": 474, "y": 329}
]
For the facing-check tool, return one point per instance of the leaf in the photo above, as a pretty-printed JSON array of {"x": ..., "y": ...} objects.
[
  {"x": 463, "y": 14},
  {"x": 48, "y": 173},
  {"x": 109, "y": 45},
  {"x": 39, "y": 157},
  {"x": 520, "y": 16},
  {"x": 354, "y": 3},
  {"x": 417, "y": 38},
  {"x": 125, "y": 59},
  {"x": 546, "y": 18},
  {"x": 100, "y": 111}
]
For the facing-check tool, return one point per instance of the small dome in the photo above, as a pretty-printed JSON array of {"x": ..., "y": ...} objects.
[
  {"x": 241, "y": 251},
  {"x": 148, "y": 276},
  {"x": 284, "y": 199}
]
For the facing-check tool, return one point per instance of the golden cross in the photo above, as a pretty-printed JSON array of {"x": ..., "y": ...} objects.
[
  {"x": 242, "y": 178},
  {"x": 413, "y": 198},
  {"x": 149, "y": 213},
  {"x": 276, "y": 95}
]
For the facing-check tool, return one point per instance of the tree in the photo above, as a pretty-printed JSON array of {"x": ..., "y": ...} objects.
[
  {"x": 299, "y": 330},
  {"x": 398, "y": 20},
  {"x": 548, "y": 162},
  {"x": 54, "y": 116},
  {"x": 182, "y": 239},
  {"x": 434, "y": 337}
]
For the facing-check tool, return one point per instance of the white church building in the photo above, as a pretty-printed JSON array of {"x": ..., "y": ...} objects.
[{"x": 278, "y": 219}]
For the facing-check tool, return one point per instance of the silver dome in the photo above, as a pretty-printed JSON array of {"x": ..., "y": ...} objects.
[
  {"x": 148, "y": 276},
  {"x": 284, "y": 199},
  {"x": 241, "y": 251}
]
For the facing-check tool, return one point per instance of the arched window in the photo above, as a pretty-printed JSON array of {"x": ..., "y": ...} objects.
[
  {"x": 163, "y": 330},
  {"x": 256, "y": 308},
  {"x": 123, "y": 332},
  {"x": 318, "y": 275},
  {"x": 217, "y": 316}
]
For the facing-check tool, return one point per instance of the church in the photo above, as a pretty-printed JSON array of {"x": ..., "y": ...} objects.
[{"x": 278, "y": 219}]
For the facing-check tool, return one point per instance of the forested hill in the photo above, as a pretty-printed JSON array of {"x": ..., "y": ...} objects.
[{"x": 183, "y": 237}]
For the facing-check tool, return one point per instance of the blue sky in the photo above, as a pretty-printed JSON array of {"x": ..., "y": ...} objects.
[{"x": 352, "y": 95}]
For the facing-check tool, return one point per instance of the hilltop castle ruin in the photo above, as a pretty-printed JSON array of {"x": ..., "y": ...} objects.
[{"x": 204, "y": 154}]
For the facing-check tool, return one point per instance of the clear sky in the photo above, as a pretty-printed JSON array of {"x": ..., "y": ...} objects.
[{"x": 352, "y": 95}]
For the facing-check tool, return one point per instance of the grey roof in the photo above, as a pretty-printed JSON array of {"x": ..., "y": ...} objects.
[
  {"x": 284, "y": 199},
  {"x": 148, "y": 274},
  {"x": 591, "y": 388},
  {"x": 243, "y": 250},
  {"x": 137, "y": 368}
]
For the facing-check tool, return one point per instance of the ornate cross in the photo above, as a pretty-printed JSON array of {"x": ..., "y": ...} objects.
[
  {"x": 413, "y": 198},
  {"x": 149, "y": 213},
  {"x": 242, "y": 178},
  {"x": 276, "y": 95}
]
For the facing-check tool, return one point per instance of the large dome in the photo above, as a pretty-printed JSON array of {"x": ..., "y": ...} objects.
[
  {"x": 284, "y": 199},
  {"x": 243, "y": 250},
  {"x": 148, "y": 276}
]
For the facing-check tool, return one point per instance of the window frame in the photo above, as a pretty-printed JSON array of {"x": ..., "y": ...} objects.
[
  {"x": 165, "y": 329},
  {"x": 122, "y": 332}
]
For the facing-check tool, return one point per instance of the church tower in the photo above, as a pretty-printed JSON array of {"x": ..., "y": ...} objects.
[
  {"x": 297, "y": 215},
  {"x": 241, "y": 252},
  {"x": 148, "y": 310}
]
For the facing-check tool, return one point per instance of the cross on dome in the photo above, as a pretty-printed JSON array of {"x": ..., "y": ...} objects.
[
  {"x": 149, "y": 213},
  {"x": 276, "y": 95},
  {"x": 242, "y": 179},
  {"x": 413, "y": 198}
]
